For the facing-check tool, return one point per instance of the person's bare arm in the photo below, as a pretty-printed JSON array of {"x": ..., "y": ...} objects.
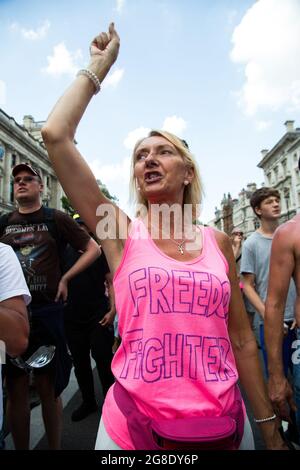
[
  {"x": 109, "y": 317},
  {"x": 248, "y": 280},
  {"x": 73, "y": 172},
  {"x": 282, "y": 264},
  {"x": 14, "y": 327},
  {"x": 246, "y": 354},
  {"x": 90, "y": 254}
]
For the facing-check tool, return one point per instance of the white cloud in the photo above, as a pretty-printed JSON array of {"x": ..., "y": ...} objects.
[
  {"x": 113, "y": 78},
  {"x": 135, "y": 135},
  {"x": 267, "y": 43},
  {"x": 174, "y": 124},
  {"x": 119, "y": 6},
  {"x": 2, "y": 93},
  {"x": 263, "y": 125},
  {"x": 62, "y": 61},
  {"x": 111, "y": 173},
  {"x": 116, "y": 178},
  {"x": 231, "y": 16},
  {"x": 32, "y": 34}
]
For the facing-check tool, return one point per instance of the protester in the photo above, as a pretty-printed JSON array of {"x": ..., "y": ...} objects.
[
  {"x": 255, "y": 263},
  {"x": 38, "y": 236},
  {"x": 185, "y": 340},
  {"x": 284, "y": 265},
  {"x": 237, "y": 238},
  {"x": 14, "y": 296},
  {"x": 89, "y": 317}
]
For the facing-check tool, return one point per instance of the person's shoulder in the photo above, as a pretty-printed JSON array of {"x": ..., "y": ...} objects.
[
  {"x": 6, "y": 253},
  {"x": 63, "y": 218},
  {"x": 251, "y": 240},
  {"x": 288, "y": 232},
  {"x": 219, "y": 235},
  {"x": 222, "y": 238},
  {"x": 5, "y": 249},
  {"x": 57, "y": 213},
  {"x": 290, "y": 227}
]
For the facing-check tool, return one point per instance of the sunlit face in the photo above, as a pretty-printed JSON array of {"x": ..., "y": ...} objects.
[
  {"x": 270, "y": 208},
  {"x": 27, "y": 186},
  {"x": 160, "y": 170}
]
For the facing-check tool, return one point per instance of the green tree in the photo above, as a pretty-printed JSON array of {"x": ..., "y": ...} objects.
[
  {"x": 69, "y": 209},
  {"x": 67, "y": 206},
  {"x": 106, "y": 192}
]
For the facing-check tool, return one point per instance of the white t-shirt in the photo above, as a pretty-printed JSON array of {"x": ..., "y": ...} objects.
[{"x": 12, "y": 284}]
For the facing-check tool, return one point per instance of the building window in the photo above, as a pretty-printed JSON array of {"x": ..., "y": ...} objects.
[
  {"x": 48, "y": 182},
  {"x": 284, "y": 167},
  {"x": 1, "y": 152},
  {"x": 13, "y": 160}
]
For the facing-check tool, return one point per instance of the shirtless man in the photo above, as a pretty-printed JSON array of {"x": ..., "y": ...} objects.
[{"x": 284, "y": 264}]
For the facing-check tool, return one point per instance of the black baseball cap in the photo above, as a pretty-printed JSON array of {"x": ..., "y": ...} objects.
[{"x": 26, "y": 167}]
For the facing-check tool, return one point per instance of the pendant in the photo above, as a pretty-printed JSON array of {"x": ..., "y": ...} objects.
[{"x": 180, "y": 249}]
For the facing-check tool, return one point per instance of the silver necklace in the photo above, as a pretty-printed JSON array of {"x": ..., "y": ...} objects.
[{"x": 179, "y": 245}]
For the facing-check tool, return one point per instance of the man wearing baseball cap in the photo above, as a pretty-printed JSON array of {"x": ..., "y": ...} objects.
[
  {"x": 38, "y": 236},
  {"x": 28, "y": 168}
]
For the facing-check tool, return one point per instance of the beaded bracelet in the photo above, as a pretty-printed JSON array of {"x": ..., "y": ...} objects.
[
  {"x": 264, "y": 420},
  {"x": 92, "y": 76}
]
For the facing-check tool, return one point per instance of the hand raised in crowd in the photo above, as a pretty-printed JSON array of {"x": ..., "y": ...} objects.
[{"x": 104, "y": 50}]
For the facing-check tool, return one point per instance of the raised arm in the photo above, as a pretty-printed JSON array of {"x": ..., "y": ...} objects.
[
  {"x": 58, "y": 133},
  {"x": 282, "y": 265}
]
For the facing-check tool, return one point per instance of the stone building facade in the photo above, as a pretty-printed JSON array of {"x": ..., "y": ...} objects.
[
  {"x": 280, "y": 167},
  {"x": 23, "y": 143}
]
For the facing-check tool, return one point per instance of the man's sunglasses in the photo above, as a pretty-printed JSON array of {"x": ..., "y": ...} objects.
[{"x": 25, "y": 179}]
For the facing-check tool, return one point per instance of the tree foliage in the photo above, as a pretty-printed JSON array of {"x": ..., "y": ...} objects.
[{"x": 68, "y": 208}]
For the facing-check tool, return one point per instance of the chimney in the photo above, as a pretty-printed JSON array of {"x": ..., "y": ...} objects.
[
  {"x": 28, "y": 121},
  {"x": 289, "y": 126},
  {"x": 264, "y": 152}
]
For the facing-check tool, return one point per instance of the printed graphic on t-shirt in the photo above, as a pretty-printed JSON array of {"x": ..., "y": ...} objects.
[
  {"x": 37, "y": 253},
  {"x": 167, "y": 296}
]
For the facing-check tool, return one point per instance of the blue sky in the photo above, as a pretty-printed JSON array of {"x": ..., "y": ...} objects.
[{"x": 223, "y": 74}]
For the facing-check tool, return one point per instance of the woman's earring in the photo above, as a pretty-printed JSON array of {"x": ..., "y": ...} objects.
[{"x": 186, "y": 182}]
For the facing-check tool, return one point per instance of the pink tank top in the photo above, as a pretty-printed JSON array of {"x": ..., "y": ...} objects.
[{"x": 175, "y": 358}]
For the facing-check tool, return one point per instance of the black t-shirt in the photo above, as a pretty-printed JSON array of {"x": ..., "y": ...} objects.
[
  {"x": 38, "y": 251},
  {"x": 86, "y": 291}
]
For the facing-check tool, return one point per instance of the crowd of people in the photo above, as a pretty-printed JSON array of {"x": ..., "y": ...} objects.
[{"x": 185, "y": 295}]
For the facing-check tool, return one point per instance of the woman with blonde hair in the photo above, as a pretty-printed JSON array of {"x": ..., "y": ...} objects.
[{"x": 185, "y": 336}]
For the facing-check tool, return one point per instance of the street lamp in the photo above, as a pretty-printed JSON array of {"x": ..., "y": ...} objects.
[{"x": 286, "y": 194}]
